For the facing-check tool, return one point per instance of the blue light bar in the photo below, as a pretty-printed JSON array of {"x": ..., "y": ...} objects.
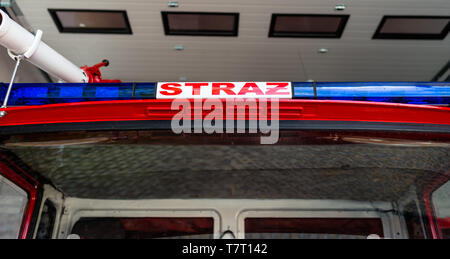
[
  {"x": 432, "y": 93},
  {"x": 38, "y": 94}
]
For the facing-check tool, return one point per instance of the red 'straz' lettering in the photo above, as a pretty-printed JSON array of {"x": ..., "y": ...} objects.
[
  {"x": 276, "y": 90},
  {"x": 216, "y": 88},
  {"x": 254, "y": 89},
  {"x": 196, "y": 87},
  {"x": 172, "y": 89}
]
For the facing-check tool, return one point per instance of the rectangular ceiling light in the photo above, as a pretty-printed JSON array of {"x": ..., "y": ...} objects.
[
  {"x": 91, "y": 21},
  {"x": 413, "y": 27},
  {"x": 200, "y": 23},
  {"x": 307, "y": 25}
]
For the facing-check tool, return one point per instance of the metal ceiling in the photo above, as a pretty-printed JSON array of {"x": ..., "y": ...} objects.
[{"x": 149, "y": 55}]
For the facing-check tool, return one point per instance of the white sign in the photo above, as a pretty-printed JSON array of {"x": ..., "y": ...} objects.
[{"x": 223, "y": 90}]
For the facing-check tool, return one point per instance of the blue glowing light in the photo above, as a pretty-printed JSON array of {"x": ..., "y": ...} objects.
[{"x": 435, "y": 93}]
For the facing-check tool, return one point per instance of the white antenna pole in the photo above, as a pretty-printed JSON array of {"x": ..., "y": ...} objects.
[{"x": 19, "y": 41}]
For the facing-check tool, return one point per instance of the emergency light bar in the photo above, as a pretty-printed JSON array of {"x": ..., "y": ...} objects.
[{"x": 430, "y": 93}]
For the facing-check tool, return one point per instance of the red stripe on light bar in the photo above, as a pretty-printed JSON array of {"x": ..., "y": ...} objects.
[{"x": 154, "y": 109}]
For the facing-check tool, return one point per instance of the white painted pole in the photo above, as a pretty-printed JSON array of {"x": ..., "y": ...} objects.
[{"x": 18, "y": 40}]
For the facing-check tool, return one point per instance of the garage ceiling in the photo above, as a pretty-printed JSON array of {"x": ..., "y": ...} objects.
[{"x": 149, "y": 55}]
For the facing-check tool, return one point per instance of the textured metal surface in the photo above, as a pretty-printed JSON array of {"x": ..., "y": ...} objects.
[{"x": 123, "y": 171}]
